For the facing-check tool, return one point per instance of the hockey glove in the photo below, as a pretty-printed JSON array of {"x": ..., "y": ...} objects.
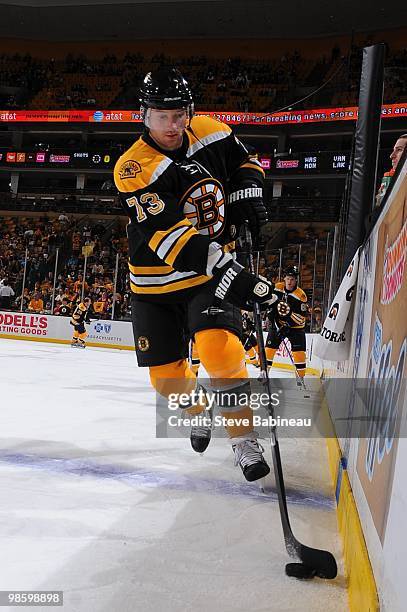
[
  {"x": 246, "y": 204},
  {"x": 283, "y": 331},
  {"x": 241, "y": 288}
]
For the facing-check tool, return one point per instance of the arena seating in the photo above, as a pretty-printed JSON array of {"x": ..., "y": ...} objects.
[{"x": 218, "y": 83}]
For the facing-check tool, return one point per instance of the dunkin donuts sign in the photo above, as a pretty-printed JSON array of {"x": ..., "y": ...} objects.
[
  {"x": 387, "y": 362},
  {"x": 23, "y": 324}
]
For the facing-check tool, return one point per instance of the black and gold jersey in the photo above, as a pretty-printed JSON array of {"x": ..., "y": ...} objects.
[
  {"x": 177, "y": 206},
  {"x": 64, "y": 310},
  {"x": 291, "y": 307},
  {"x": 80, "y": 315}
]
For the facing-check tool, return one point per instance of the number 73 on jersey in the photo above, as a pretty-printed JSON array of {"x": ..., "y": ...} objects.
[{"x": 154, "y": 205}]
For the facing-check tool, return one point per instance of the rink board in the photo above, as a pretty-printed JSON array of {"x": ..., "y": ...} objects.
[
  {"x": 361, "y": 584},
  {"x": 371, "y": 468},
  {"x": 56, "y": 329},
  {"x": 105, "y": 333}
]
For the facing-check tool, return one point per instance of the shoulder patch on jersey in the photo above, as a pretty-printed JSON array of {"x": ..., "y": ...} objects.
[
  {"x": 139, "y": 167},
  {"x": 129, "y": 169}
]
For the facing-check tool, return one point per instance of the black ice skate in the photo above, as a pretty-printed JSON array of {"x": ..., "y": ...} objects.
[
  {"x": 249, "y": 455},
  {"x": 201, "y": 435},
  {"x": 78, "y": 343}
]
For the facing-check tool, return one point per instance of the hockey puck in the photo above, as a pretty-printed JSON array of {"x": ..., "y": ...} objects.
[{"x": 300, "y": 571}]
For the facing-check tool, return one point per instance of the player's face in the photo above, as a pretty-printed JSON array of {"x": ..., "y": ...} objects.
[
  {"x": 167, "y": 127},
  {"x": 398, "y": 151},
  {"x": 290, "y": 282}
]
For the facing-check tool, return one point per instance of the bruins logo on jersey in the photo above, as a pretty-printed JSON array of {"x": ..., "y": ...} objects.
[
  {"x": 129, "y": 169},
  {"x": 143, "y": 344},
  {"x": 204, "y": 206},
  {"x": 283, "y": 309}
]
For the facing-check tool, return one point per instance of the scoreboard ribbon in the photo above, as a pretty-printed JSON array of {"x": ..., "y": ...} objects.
[{"x": 349, "y": 113}]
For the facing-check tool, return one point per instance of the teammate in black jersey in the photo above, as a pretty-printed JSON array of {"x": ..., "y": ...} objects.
[
  {"x": 80, "y": 316},
  {"x": 187, "y": 184},
  {"x": 287, "y": 320}
]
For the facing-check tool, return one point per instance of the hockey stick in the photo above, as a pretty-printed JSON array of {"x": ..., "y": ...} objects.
[
  {"x": 298, "y": 377},
  {"x": 319, "y": 562}
]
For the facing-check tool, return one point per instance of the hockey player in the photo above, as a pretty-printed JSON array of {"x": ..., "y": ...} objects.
[
  {"x": 287, "y": 318},
  {"x": 249, "y": 340},
  {"x": 186, "y": 184},
  {"x": 80, "y": 316}
]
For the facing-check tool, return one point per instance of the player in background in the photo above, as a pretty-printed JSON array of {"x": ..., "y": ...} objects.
[
  {"x": 80, "y": 316},
  {"x": 287, "y": 320},
  {"x": 249, "y": 339},
  {"x": 187, "y": 184}
]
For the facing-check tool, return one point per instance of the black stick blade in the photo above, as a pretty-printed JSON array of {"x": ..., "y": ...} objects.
[
  {"x": 300, "y": 571},
  {"x": 321, "y": 560}
]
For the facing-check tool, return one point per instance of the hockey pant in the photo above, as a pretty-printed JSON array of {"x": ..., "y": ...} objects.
[
  {"x": 80, "y": 332},
  {"x": 298, "y": 345}
]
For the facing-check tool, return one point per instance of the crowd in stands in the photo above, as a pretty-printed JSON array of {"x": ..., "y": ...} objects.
[
  {"x": 28, "y": 252},
  {"x": 234, "y": 83},
  {"x": 36, "y": 241}
]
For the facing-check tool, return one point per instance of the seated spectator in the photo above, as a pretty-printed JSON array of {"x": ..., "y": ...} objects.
[
  {"x": 77, "y": 286},
  {"x": 47, "y": 282},
  {"x": 69, "y": 282},
  {"x": 97, "y": 268},
  {"x": 108, "y": 284},
  {"x": 26, "y": 299},
  {"x": 59, "y": 296},
  {"x": 98, "y": 284},
  {"x": 36, "y": 304}
]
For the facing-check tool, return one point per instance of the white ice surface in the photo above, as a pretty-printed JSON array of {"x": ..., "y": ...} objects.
[{"x": 94, "y": 505}]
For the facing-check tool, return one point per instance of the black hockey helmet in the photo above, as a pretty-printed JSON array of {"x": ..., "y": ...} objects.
[
  {"x": 166, "y": 88},
  {"x": 291, "y": 271}
]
